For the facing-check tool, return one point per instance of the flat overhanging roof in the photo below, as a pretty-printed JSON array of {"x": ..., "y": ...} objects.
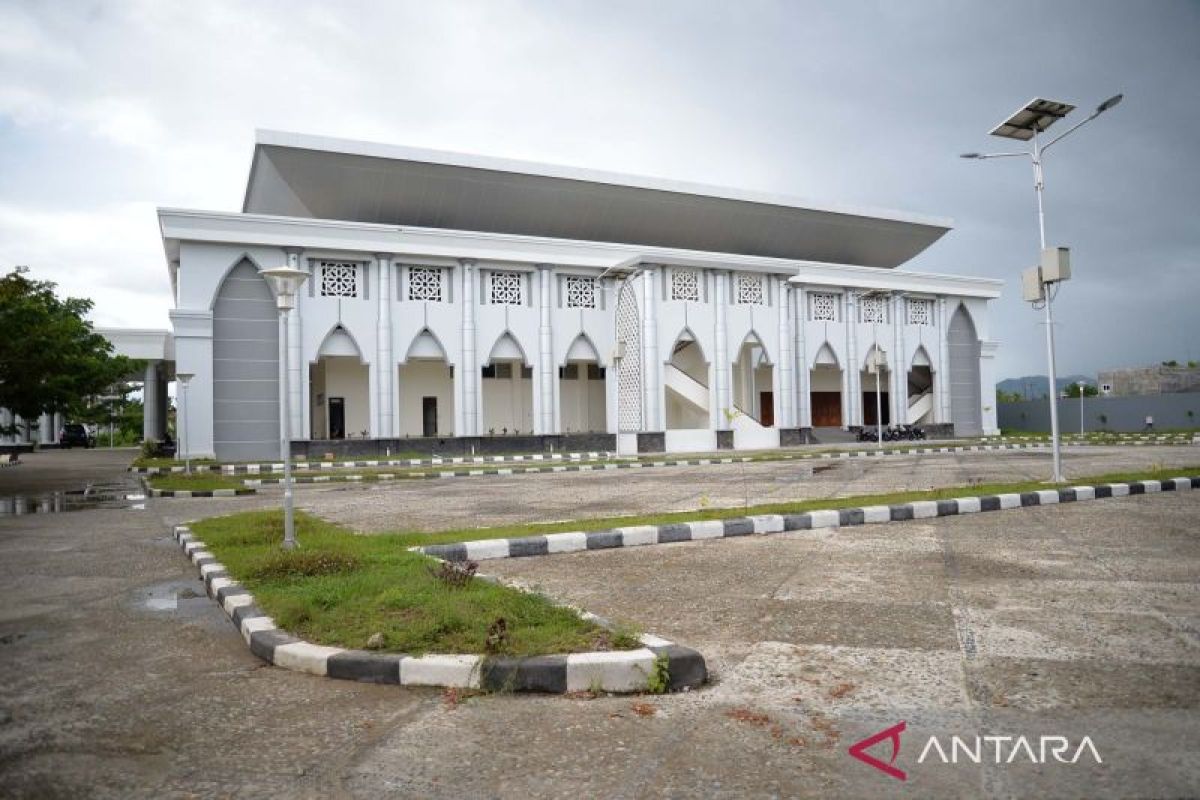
[{"x": 296, "y": 175}]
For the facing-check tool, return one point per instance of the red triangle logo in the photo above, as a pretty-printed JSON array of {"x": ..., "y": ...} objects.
[{"x": 859, "y": 751}]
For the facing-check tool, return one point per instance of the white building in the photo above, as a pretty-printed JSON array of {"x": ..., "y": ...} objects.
[{"x": 460, "y": 302}]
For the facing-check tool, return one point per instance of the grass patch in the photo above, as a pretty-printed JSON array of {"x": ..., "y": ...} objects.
[
  {"x": 143, "y": 461},
  {"x": 340, "y": 588},
  {"x": 199, "y": 482},
  {"x": 604, "y": 523}
]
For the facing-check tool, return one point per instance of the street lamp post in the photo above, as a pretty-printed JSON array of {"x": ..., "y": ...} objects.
[
  {"x": 286, "y": 282},
  {"x": 183, "y": 378},
  {"x": 878, "y": 362},
  {"x": 1081, "y": 384},
  {"x": 1025, "y": 125}
]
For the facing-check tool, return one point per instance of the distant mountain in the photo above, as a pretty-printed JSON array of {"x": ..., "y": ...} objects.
[{"x": 1034, "y": 386}]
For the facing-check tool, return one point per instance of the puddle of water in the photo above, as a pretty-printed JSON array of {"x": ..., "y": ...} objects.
[{"x": 95, "y": 495}]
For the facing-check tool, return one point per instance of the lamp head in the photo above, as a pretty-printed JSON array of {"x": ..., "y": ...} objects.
[
  {"x": 970, "y": 155},
  {"x": 1109, "y": 103},
  {"x": 286, "y": 283}
]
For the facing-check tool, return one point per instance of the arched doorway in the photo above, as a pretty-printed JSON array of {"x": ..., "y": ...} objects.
[
  {"x": 825, "y": 389},
  {"x": 581, "y": 389},
  {"x": 920, "y": 389},
  {"x": 685, "y": 385},
  {"x": 868, "y": 378},
  {"x": 245, "y": 368},
  {"x": 752, "y": 376},
  {"x": 340, "y": 389},
  {"x": 426, "y": 389},
  {"x": 507, "y": 389},
  {"x": 963, "y": 350}
]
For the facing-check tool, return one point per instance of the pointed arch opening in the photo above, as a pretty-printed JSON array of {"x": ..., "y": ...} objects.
[
  {"x": 825, "y": 388},
  {"x": 919, "y": 409},
  {"x": 753, "y": 381},
  {"x": 425, "y": 384},
  {"x": 339, "y": 388},
  {"x": 582, "y": 394},
  {"x": 685, "y": 384},
  {"x": 506, "y": 388},
  {"x": 875, "y": 379}
]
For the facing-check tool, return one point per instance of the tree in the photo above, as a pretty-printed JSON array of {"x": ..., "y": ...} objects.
[
  {"x": 1089, "y": 390},
  {"x": 1008, "y": 397},
  {"x": 51, "y": 360}
]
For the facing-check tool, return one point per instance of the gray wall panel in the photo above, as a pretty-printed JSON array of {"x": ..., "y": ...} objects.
[
  {"x": 963, "y": 350},
  {"x": 1127, "y": 414},
  {"x": 245, "y": 368}
]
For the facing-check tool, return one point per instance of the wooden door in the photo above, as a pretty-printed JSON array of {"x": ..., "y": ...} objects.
[
  {"x": 766, "y": 409},
  {"x": 826, "y": 409}
]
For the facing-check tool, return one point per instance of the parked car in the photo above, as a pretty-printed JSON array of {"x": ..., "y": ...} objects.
[{"x": 75, "y": 435}]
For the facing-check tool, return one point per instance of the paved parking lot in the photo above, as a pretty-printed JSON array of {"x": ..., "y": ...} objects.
[
  {"x": 484, "y": 501},
  {"x": 1065, "y": 620}
]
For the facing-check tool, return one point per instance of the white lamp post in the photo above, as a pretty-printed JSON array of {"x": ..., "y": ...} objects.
[
  {"x": 183, "y": 378},
  {"x": 1025, "y": 125},
  {"x": 286, "y": 283},
  {"x": 1081, "y": 384},
  {"x": 878, "y": 362}
]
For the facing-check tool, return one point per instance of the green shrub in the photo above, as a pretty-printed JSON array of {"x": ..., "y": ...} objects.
[{"x": 302, "y": 564}]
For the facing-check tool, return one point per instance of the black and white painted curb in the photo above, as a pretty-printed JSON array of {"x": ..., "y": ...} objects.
[
  {"x": 648, "y": 464},
  {"x": 254, "y": 469},
  {"x": 608, "y": 671},
  {"x": 638, "y": 535},
  {"x": 199, "y": 492}
]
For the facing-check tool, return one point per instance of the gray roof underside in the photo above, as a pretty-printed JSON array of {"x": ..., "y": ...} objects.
[{"x": 493, "y": 196}]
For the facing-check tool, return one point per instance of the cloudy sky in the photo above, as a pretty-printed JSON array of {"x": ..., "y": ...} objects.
[{"x": 109, "y": 109}]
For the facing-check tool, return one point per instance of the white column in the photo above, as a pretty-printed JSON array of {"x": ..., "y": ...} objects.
[
  {"x": 297, "y": 370},
  {"x": 385, "y": 366},
  {"x": 941, "y": 379},
  {"x": 467, "y": 374},
  {"x": 58, "y": 424},
  {"x": 46, "y": 428},
  {"x": 987, "y": 388},
  {"x": 6, "y": 419},
  {"x": 721, "y": 360},
  {"x": 544, "y": 421},
  {"x": 850, "y": 371},
  {"x": 898, "y": 364},
  {"x": 787, "y": 400},
  {"x": 651, "y": 369},
  {"x": 803, "y": 377},
  {"x": 150, "y": 408}
]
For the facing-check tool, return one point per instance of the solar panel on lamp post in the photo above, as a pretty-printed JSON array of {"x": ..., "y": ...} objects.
[
  {"x": 286, "y": 283},
  {"x": 1025, "y": 125}
]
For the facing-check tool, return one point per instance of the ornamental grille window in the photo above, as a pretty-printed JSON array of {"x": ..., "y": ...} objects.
[
  {"x": 506, "y": 289},
  {"x": 339, "y": 279},
  {"x": 749, "y": 290},
  {"x": 581, "y": 292},
  {"x": 920, "y": 312},
  {"x": 685, "y": 285},
  {"x": 425, "y": 283},
  {"x": 873, "y": 308},
  {"x": 822, "y": 307}
]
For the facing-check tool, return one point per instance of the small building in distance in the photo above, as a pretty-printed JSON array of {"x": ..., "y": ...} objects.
[{"x": 1164, "y": 378}]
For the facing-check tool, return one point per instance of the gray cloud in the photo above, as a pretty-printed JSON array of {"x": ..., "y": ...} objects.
[{"x": 109, "y": 109}]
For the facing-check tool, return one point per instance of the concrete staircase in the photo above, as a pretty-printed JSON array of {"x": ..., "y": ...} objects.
[
  {"x": 833, "y": 436},
  {"x": 920, "y": 407},
  {"x": 695, "y": 393}
]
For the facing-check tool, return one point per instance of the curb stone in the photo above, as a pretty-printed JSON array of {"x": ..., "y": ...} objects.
[
  {"x": 277, "y": 466},
  {"x": 628, "y": 464},
  {"x": 575, "y": 541},
  {"x": 200, "y": 492},
  {"x": 615, "y": 671}
]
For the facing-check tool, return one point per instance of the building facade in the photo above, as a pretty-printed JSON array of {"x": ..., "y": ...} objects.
[
  {"x": 461, "y": 302},
  {"x": 1158, "y": 379}
]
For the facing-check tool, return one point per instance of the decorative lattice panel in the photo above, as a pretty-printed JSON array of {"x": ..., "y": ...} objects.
[
  {"x": 822, "y": 307},
  {"x": 749, "y": 290},
  {"x": 873, "y": 308},
  {"x": 339, "y": 279},
  {"x": 685, "y": 284},
  {"x": 425, "y": 283},
  {"x": 581, "y": 292},
  {"x": 506, "y": 289},
  {"x": 920, "y": 312},
  {"x": 629, "y": 369}
]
